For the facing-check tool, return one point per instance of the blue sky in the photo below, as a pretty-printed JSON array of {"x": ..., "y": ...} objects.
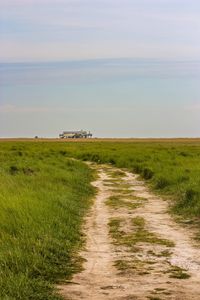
[
  {"x": 84, "y": 29},
  {"x": 119, "y": 68}
]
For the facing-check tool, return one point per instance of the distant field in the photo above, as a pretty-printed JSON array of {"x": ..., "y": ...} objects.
[
  {"x": 44, "y": 196},
  {"x": 125, "y": 140}
]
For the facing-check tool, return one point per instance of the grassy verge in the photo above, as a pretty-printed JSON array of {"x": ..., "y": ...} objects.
[
  {"x": 171, "y": 167},
  {"x": 43, "y": 198}
]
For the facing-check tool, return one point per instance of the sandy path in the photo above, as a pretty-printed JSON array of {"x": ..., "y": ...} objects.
[{"x": 148, "y": 272}]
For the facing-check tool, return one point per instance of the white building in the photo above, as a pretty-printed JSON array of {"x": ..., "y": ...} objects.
[{"x": 75, "y": 134}]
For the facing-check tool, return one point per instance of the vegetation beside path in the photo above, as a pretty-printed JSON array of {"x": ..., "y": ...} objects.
[
  {"x": 171, "y": 167},
  {"x": 43, "y": 198}
]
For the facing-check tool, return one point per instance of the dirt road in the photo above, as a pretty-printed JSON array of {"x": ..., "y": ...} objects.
[{"x": 134, "y": 249}]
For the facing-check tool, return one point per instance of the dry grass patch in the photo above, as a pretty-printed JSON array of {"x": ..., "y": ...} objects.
[
  {"x": 116, "y": 173},
  {"x": 139, "y": 234},
  {"x": 117, "y": 201},
  {"x": 119, "y": 190},
  {"x": 177, "y": 272},
  {"x": 135, "y": 266},
  {"x": 164, "y": 253}
]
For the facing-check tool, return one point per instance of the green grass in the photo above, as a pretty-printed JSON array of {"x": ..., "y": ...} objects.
[
  {"x": 43, "y": 198},
  {"x": 170, "y": 167}
]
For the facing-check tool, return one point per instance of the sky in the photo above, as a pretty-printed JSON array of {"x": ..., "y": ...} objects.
[
  {"x": 126, "y": 68},
  {"x": 38, "y": 30}
]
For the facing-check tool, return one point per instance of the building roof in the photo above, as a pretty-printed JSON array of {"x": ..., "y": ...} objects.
[{"x": 74, "y": 132}]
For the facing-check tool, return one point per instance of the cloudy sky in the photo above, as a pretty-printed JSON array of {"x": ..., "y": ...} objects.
[
  {"x": 85, "y": 29},
  {"x": 119, "y": 68}
]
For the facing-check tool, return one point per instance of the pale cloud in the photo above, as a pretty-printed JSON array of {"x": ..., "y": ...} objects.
[
  {"x": 193, "y": 107},
  {"x": 15, "y": 109},
  {"x": 75, "y": 29},
  {"x": 6, "y": 108},
  {"x": 12, "y": 51},
  {"x": 7, "y": 3},
  {"x": 9, "y": 108}
]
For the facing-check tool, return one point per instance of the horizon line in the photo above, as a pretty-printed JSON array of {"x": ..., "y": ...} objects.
[{"x": 102, "y": 59}]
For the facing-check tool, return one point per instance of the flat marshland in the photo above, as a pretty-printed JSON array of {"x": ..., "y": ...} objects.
[{"x": 44, "y": 195}]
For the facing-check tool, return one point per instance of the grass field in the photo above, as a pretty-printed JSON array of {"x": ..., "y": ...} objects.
[
  {"x": 172, "y": 167},
  {"x": 44, "y": 196}
]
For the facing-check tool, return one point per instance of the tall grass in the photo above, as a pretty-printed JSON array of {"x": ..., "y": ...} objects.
[
  {"x": 43, "y": 198},
  {"x": 170, "y": 167}
]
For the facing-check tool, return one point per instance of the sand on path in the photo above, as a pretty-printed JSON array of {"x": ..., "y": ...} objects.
[{"x": 151, "y": 270}]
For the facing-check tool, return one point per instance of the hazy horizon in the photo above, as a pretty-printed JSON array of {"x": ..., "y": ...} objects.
[{"x": 112, "y": 98}]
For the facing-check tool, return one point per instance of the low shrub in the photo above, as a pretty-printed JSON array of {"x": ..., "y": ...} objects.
[
  {"x": 112, "y": 161},
  {"x": 147, "y": 173},
  {"x": 188, "y": 203},
  {"x": 190, "y": 195},
  {"x": 13, "y": 170},
  {"x": 162, "y": 182},
  {"x": 137, "y": 168}
]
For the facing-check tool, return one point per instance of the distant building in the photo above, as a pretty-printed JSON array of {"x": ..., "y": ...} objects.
[{"x": 75, "y": 134}]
